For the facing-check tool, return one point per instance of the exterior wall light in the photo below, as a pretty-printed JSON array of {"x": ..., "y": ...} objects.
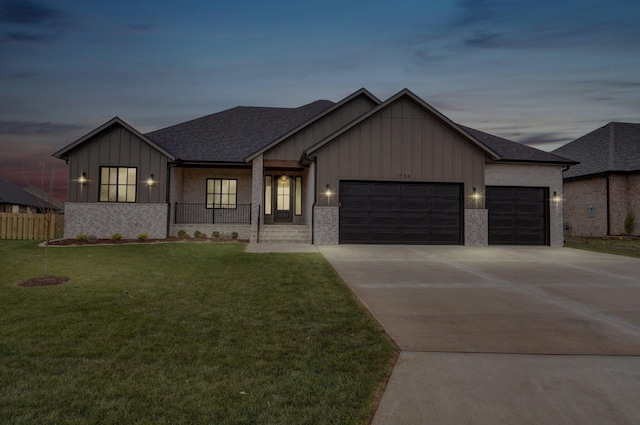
[
  {"x": 474, "y": 194},
  {"x": 556, "y": 198},
  {"x": 150, "y": 180},
  {"x": 83, "y": 179},
  {"x": 327, "y": 191},
  {"x": 283, "y": 178}
]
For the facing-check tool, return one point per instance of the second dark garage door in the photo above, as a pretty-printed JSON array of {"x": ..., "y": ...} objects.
[
  {"x": 518, "y": 215},
  {"x": 400, "y": 213}
]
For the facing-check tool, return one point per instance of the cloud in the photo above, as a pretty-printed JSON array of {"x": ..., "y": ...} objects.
[
  {"x": 32, "y": 127},
  {"x": 30, "y": 22},
  {"x": 27, "y": 12}
]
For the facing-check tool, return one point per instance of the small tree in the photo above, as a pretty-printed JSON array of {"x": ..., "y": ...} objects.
[{"x": 630, "y": 223}]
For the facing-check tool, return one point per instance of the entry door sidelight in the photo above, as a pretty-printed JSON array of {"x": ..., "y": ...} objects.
[{"x": 284, "y": 198}]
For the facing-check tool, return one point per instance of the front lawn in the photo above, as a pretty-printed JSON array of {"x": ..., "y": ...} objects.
[
  {"x": 608, "y": 245},
  {"x": 184, "y": 333}
]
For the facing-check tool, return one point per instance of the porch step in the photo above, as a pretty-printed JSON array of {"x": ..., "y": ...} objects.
[{"x": 285, "y": 233}]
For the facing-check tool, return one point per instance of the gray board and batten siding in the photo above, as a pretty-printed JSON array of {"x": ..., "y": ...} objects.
[
  {"x": 116, "y": 146},
  {"x": 290, "y": 148},
  {"x": 401, "y": 142}
]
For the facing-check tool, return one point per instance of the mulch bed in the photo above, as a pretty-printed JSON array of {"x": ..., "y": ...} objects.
[
  {"x": 73, "y": 242},
  {"x": 76, "y": 242},
  {"x": 43, "y": 281}
]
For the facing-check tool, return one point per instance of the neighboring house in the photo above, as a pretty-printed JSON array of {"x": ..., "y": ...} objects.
[
  {"x": 13, "y": 199},
  {"x": 605, "y": 186},
  {"x": 45, "y": 196},
  {"x": 356, "y": 171}
]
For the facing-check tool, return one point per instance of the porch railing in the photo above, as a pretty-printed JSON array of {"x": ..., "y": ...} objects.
[{"x": 199, "y": 213}]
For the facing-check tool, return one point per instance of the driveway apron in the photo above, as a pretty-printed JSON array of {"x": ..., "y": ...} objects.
[{"x": 502, "y": 334}]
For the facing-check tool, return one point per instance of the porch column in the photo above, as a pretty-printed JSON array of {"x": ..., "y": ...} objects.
[{"x": 257, "y": 191}]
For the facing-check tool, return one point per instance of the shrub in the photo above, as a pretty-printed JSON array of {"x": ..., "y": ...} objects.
[
  {"x": 215, "y": 234},
  {"x": 630, "y": 223},
  {"x": 234, "y": 235},
  {"x": 116, "y": 237},
  {"x": 182, "y": 233},
  {"x": 143, "y": 236},
  {"x": 82, "y": 237},
  {"x": 196, "y": 234}
]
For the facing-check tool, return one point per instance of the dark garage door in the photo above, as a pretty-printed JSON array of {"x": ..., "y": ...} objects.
[
  {"x": 518, "y": 215},
  {"x": 400, "y": 213}
]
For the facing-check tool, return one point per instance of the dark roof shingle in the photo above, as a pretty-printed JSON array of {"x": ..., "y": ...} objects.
[
  {"x": 234, "y": 134},
  {"x": 13, "y": 195},
  {"x": 513, "y": 151},
  {"x": 612, "y": 148}
]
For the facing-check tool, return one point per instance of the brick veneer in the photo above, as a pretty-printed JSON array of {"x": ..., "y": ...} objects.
[
  {"x": 244, "y": 230},
  {"x": 326, "y": 229},
  {"x": 257, "y": 193},
  {"x": 476, "y": 222},
  {"x": 104, "y": 219},
  {"x": 624, "y": 196}
]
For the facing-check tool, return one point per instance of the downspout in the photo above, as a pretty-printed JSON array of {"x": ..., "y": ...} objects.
[{"x": 303, "y": 158}]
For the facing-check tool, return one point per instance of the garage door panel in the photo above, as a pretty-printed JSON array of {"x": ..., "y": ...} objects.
[
  {"x": 400, "y": 213},
  {"x": 452, "y": 191},
  {"x": 518, "y": 215}
]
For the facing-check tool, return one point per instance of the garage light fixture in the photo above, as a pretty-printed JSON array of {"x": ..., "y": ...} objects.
[
  {"x": 556, "y": 198},
  {"x": 150, "y": 180},
  {"x": 327, "y": 191},
  {"x": 474, "y": 194},
  {"x": 83, "y": 179}
]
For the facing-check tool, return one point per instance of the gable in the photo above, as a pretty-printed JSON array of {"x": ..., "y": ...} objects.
[
  {"x": 114, "y": 146},
  {"x": 401, "y": 141},
  {"x": 292, "y": 147}
]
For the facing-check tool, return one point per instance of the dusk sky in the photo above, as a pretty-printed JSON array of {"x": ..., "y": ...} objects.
[{"x": 538, "y": 72}]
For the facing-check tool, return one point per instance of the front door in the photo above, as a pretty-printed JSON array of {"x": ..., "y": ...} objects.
[{"x": 283, "y": 200}]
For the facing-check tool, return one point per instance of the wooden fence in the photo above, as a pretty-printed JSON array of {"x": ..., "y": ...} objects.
[{"x": 30, "y": 226}]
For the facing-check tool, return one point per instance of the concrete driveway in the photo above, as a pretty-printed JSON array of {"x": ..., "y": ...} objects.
[{"x": 526, "y": 335}]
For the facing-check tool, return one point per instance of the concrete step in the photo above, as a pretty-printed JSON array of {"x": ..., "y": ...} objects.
[{"x": 285, "y": 233}]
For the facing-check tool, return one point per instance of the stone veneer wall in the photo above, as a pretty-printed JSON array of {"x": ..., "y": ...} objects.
[
  {"x": 326, "y": 228},
  {"x": 104, "y": 219},
  {"x": 476, "y": 225},
  {"x": 533, "y": 176}
]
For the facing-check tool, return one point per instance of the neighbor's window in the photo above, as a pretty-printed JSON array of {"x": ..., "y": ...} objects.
[
  {"x": 118, "y": 184},
  {"x": 222, "y": 193}
]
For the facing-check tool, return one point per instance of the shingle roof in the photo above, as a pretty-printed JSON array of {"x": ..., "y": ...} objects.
[
  {"x": 234, "y": 134},
  {"x": 612, "y": 148},
  {"x": 513, "y": 151},
  {"x": 13, "y": 195}
]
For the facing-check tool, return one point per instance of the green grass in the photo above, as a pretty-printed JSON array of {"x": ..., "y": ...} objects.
[
  {"x": 184, "y": 333},
  {"x": 618, "y": 246}
]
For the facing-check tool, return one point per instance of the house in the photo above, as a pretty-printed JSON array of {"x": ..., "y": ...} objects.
[
  {"x": 45, "y": 196},
  {"x": 605, "y": 186},
  {"x": 360, "y": 170},
  {"x": 13, "y": 199}
]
